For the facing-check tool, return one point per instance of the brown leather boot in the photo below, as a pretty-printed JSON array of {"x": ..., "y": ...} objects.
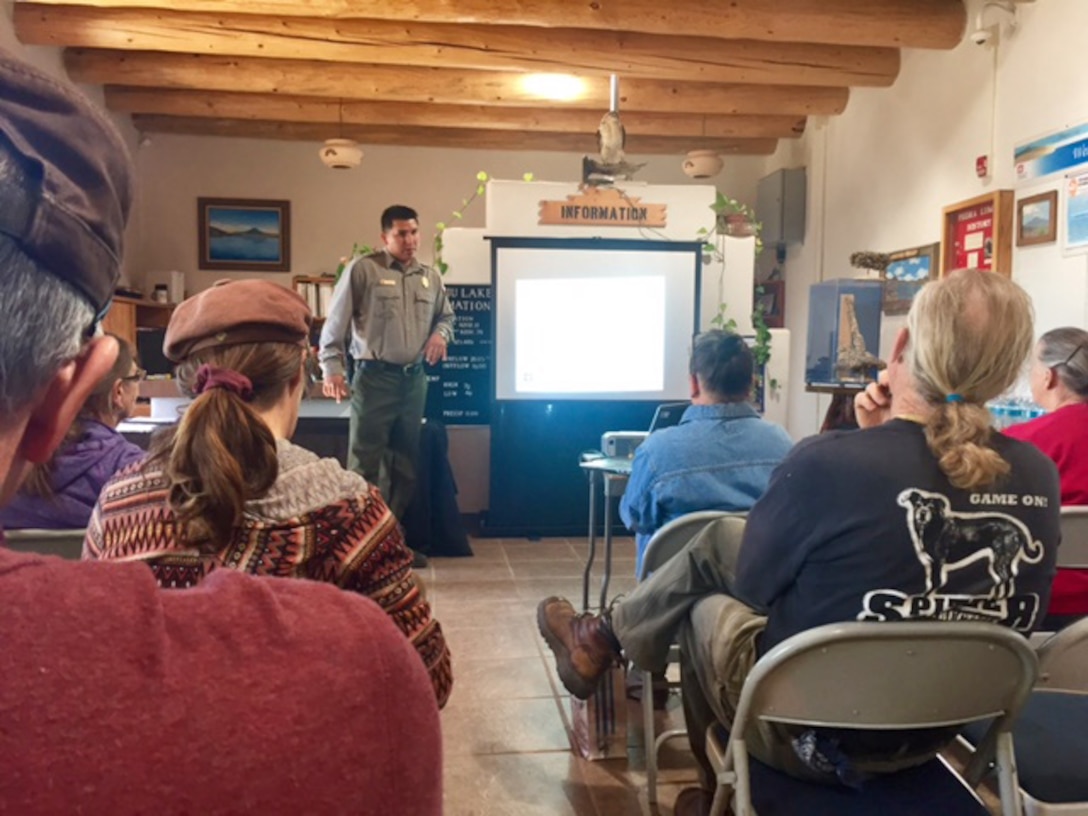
[{"x": 584, "y": 645}]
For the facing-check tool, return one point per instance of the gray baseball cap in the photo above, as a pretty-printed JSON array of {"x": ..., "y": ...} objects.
[{"x": 77, "y": 179}]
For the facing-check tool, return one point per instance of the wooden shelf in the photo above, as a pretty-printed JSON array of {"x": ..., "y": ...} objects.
[
  {"x": 316, "y": 290},
  {"x": 127, "y": 314}
]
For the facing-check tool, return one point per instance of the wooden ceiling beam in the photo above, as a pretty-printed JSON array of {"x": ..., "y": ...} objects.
[
  {"x": 474, "y": 46},
  {"x": 432, "y": 85},
  {"x": 264, "y": 107},
  {"x": 444, "y": 137},
  {"x": 889, "y": 23}
]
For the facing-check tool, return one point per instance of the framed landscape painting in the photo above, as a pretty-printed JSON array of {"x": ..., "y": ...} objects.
[
  {"x": 906, "y": 273},
  {"x": 1037, "y": 219},
  {"x": 244, "y": 234}
]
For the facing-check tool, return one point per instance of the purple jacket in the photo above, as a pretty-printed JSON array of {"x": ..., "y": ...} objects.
[{"x": 80, "y": 469}]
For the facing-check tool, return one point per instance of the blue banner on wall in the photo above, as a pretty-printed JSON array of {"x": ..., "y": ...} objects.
[{"x": 1051, "y": 154}]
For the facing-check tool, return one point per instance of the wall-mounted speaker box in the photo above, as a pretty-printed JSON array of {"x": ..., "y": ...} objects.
[{"x": 780, "y": 206}]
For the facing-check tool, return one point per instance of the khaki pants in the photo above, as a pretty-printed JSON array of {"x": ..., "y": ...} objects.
[{"x": 690, "y": 601}]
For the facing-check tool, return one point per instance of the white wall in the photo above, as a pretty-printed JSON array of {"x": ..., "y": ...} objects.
[
  {"x": 332, "y": 209},
  {"x": 880, "y": 174}
]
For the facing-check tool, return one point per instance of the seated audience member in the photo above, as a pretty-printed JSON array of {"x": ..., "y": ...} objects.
[
  {"x": 852, "y": 527},
  {"x": 719, "y": 457},
  {"x": 840, "y": 414},
  {"x": 244, "y": 695},
  {"x": 225, "y": 487},
  {"x": 1059, "y": 384},
  {"x": 61, "y": 493}
]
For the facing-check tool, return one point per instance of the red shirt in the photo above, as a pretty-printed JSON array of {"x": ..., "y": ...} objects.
[
  {"x": 242, "y": 695},
  {"x": 1063, "y": 436}
]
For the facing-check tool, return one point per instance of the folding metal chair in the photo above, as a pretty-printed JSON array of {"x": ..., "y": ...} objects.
[
  {"x": 663, "y": 545},
  {"x": 1051, "y": 733},
  {"x": 1073, "y": 552},
  {"x": 885, "y": 677}
]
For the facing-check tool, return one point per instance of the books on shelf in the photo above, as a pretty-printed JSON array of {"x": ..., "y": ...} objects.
[{"x": 317, "y": 292}]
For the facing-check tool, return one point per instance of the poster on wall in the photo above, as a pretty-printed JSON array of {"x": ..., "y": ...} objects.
[
  {"x": 459, "y": 390},
  {"x": 1075, "y": 222},
  {"x": 1053, "y": 153}
]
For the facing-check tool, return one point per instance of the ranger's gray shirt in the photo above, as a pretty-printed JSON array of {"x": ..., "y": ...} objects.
[{"x": 390, "y": 311}]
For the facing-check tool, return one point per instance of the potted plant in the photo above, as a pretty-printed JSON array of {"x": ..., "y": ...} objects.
[{"x": 733, "y": 217}]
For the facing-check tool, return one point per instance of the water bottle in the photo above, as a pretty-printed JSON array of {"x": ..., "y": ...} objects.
[{"x": 999, "y": 414}]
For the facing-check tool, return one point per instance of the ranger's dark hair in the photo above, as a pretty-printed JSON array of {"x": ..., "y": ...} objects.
[{"x": 398, "y": 212}]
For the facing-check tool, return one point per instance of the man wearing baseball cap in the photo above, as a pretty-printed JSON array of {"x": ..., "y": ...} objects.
[{"x": 244, "y": 695}]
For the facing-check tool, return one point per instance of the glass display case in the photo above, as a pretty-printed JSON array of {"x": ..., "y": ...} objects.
[{"x": 843, "y": 334}]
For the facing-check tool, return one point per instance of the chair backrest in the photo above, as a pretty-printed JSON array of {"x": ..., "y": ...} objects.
[
  {"x": 891, "y": 676},
  {"x": 65, "y": 543},
  {"x": 1073, "y": 552},
  {"x": 672, "y": 537},
  {"x": 1063, "y": 659}
]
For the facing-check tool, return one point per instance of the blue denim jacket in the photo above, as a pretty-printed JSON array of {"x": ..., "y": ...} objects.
[{"x": 719, "y": 457}]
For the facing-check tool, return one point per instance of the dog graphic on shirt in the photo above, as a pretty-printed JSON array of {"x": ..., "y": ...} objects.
[{"x": 947, "y": 541}]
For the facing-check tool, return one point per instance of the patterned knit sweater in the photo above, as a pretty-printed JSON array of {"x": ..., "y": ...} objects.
[{"x": 318, "y": 521}]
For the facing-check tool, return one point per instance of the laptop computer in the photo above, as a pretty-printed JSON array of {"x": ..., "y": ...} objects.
[{"x": 668, "y": 415}]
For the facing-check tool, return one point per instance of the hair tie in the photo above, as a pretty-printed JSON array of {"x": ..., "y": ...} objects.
[
  {"x": 954, "y": 398},
  {"x": 209, "y": 377}
]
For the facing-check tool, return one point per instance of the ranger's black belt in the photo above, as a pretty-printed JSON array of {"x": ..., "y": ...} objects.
[{"x": 396, "y": 368}]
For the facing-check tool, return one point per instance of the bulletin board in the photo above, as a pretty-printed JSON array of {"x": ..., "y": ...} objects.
[{"x": 977, "y": 234}]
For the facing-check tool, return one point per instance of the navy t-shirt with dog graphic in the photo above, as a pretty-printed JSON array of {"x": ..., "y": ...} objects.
[{"x": 863, "y": 525}]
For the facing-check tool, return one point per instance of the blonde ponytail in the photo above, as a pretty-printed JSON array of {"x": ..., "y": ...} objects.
[{"x": 970, "y": 334}]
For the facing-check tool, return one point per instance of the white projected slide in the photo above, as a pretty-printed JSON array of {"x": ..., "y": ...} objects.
[
  {"x": 586, "y": 361},
  {"x": 611, "y": 322}
]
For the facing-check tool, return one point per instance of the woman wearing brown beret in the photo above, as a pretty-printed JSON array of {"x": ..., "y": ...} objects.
[{"x": 225, "y": 488}]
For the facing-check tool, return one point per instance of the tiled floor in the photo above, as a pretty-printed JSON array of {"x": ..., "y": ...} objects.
[{"x": 506, "y": 727}]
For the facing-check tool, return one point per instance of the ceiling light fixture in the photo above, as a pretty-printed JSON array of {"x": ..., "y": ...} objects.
[
  {"x": 701, "y": 164},
  {"x": 557, "y": 87},
  {"x": 341, "y": 154}
]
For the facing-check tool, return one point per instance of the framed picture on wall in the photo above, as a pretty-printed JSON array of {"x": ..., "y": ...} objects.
[
  {"x": 906, "y": 273},
  {"x": 1037, "y": 219},
  {"x": 977, "y": 234},
  {"x": 771, "y": 299},
  {"x": 244, "y": 234}
]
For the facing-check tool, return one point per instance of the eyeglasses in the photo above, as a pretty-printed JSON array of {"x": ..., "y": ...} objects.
[{"x": 138, "y": 376}]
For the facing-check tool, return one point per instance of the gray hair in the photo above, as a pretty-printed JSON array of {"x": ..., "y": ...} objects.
[
  {"x": 42, "y": 326},
  {"x": 970, "y": 334},
  {"x": 1066, "y": 351}
]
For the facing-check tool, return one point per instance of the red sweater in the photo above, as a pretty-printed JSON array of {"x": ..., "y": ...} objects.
[
  {"x": 1063, "y": 436},
  {"x": 242, "y": 695}
]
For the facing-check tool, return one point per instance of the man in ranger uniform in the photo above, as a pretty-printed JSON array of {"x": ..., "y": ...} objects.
[{"x": 399, "y": 317}]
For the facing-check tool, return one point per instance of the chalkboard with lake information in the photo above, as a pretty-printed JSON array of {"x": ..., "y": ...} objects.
[{"x": 459, "y": 390}]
